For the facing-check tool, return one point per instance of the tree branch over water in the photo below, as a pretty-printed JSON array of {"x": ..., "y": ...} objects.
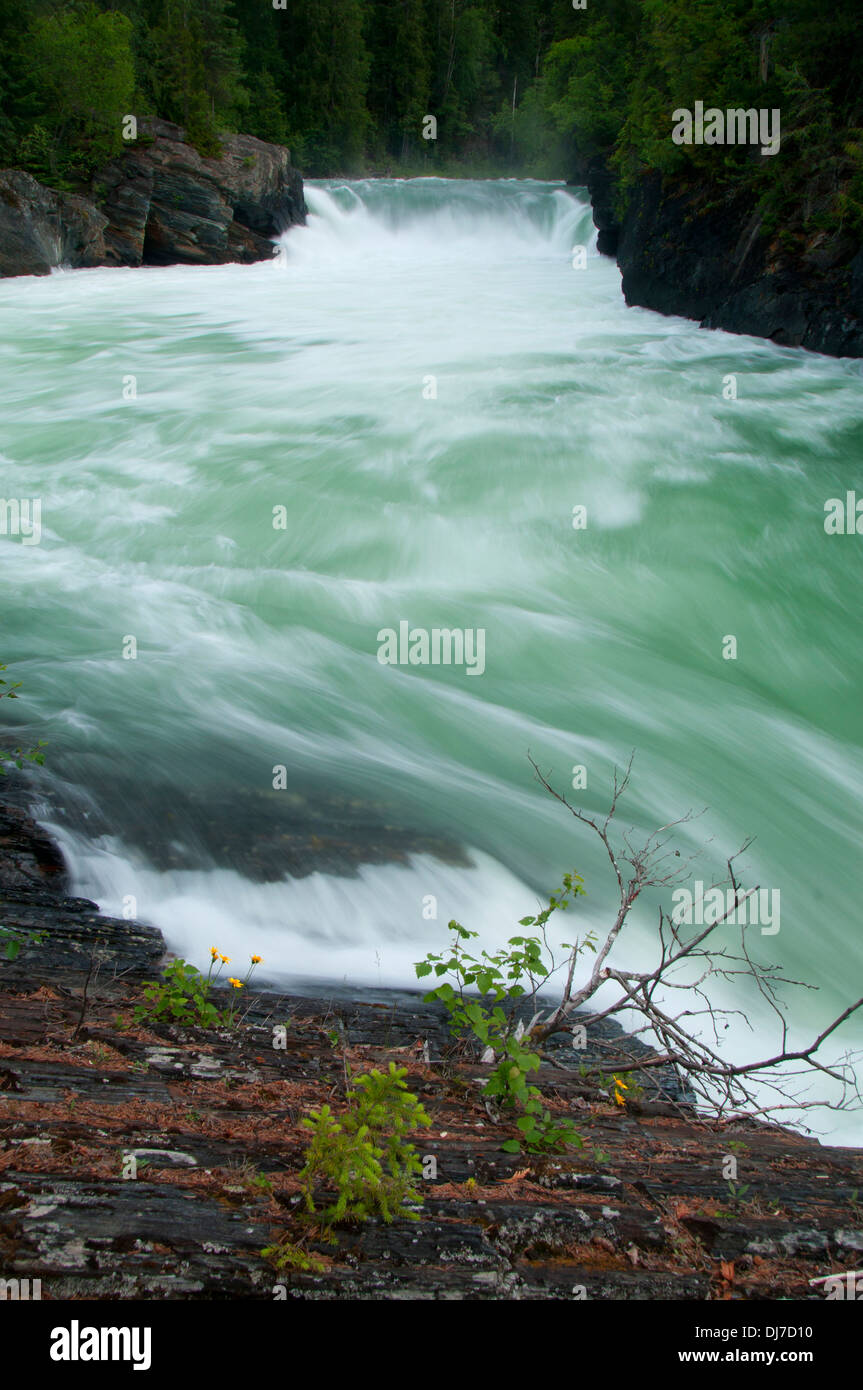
[{"x": 675, "y": 1037}]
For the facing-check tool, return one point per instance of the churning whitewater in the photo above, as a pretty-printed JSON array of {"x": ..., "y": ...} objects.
[{"x": 432, "y": 409}]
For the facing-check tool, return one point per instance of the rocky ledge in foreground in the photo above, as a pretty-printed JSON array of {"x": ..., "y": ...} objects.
[
  {"x": 213, "y": 1119},
  {"x": 159, "y": 203}
]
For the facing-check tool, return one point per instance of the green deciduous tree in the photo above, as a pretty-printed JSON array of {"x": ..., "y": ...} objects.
[{"x": 84, "y": 75}]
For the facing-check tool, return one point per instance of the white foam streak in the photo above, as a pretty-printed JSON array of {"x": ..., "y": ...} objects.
[{"x": 367, "y": 929}]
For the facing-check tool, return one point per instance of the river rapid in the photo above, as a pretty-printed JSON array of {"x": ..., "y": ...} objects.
[{"x": 433, "y": 409}]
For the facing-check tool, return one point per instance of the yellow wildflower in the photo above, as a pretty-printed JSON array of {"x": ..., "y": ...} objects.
[
  {"x": 226, "y": 960},
  {"x": 256, "y": 960},
  {"x": 238, "y": 984},
  {"x": 619, "y": 1086}
]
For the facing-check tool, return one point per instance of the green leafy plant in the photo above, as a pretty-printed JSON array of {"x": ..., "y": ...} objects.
[
  {"x": 18, "y": 756},
  {"x": 285, "y": 1254},
  {"x": 13, "y": 941},
  {"x": 540, "y": 1131},
  {"x": 737, "y": 1191},
  {"x": 504, "y": 981},
  {"x": 508, "y": 1085},
  {"x": 364, "y": 1153},
  {"x": 183, "y": 995}
]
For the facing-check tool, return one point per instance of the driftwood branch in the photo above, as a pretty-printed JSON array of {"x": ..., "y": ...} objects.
[{"x": 676, "y": 1036}]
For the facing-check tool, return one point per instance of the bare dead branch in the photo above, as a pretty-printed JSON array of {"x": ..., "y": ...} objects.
[{"x": 679, "y": 1049}]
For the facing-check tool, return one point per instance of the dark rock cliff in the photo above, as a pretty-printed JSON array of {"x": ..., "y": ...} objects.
[
  {"x": 685, "y": 251},
  {"x": 166, "y": 204},
  {"x": 40, "y": 229},
  {"x": 159, "y": 203}
]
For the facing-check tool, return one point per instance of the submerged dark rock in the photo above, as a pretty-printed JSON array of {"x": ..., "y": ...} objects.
[
  {"x": 263, "y": 834},
  {"x": 34, "y": 898}
]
